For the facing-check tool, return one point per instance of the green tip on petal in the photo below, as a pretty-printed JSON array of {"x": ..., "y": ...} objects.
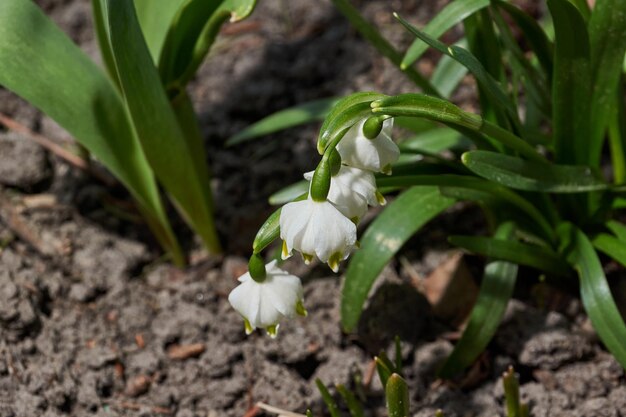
[
  {"x": 357, "y": 244},
  {"x": 247, "y": 326},
  {"x": 300, "y": 310},
  {"x": 380, "y": 198},
  {"x": 272, "y": 331},
  {"x": 285, "y": 251},
  {"x": 307, "y": 258},
  {"x": 355, "y": 220},
  {"x": 333, "y": 261},
  {"x": 386, "y": 169}
]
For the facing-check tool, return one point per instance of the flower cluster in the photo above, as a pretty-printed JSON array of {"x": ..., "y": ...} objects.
[{"x": 322, "y": 226}]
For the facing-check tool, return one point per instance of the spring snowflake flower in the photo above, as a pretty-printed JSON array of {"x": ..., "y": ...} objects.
[
  {"x": 352, "y": 190},
  {"x": 371, "y": 154},
  {"x": 316, "y": 228},
  {"x": 264, "y": 304}
]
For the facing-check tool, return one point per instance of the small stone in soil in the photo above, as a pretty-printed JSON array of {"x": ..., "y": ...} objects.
[{"x": 23, "y": 163}]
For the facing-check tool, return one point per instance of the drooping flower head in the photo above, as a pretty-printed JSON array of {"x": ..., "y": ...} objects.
[
  {"x": 316, "y": 228},
  {"x": 351, "y": 191},
  {"x": 264, "y": 304},
  {"x": 375, "y": 154}
]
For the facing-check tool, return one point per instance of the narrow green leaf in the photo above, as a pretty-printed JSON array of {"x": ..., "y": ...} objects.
[
  {"x": 354, "y": 406},
  {"x": 611, "y": 246},
  {"x": 374, "y": 37},
  {"x": 191, "y": 35},
  {"x": 618, "y": 229},
  {"x": 448, "y": 73},
  {"x": 594, "y": 290},
  {"x": 331, "y": 404},
  {"x": 100, "y": 28},
  {"x": 155, "y": 22},
  {"x": 270, "y": 230},
  {"x": 571, "y": 91},
  {"x": 397, "y": 396},
  {"x": 174, "y": 161},
  {"x": 383, "y": 238},
  {"x": 473, "y": 183},
  {"x": 289, "y": 193},
  {"x": 384, "y": 368},
  {"x": 447, "y": 18},
  {"x": 519, "y": 174},
  {"x": 496, "y": 289},
  {"x": 516, "y": 252},
  {"x": 511, "y": 393},
  {"x": 607, "y": 36},
  {"x": 434, "y": 141},
  {"x": 465, "y": 58},
  {"x": 534, "y": 34},
  {"x": 41, "y": 64},
  {"x": 311, "y": 111}
]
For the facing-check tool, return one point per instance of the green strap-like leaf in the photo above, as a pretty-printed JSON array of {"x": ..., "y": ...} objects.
[
  {"x": 571, "y": 91},
  {"x": 611, "y": 246},
  {"x": 397, "y": 396},
  {"x": 594, "y": 291},
  {"x": 355, "y": 407},
  {"x": 496, "y": 289},
  {"x": 331, "y": 404},
  {"x": 41, "y": 64},
  {"x": 449, "y": 16},
  {"x": 155, "y": 18},
  {"x": 465, "y": 58},
  {"x": 448, "y": 73},
  {"x": 294, "y": 116},
  {"x": 618, "y": 229},
  {"x": 175, "y": 162},
  {"x": 383, "y": 238},
  {"x": 607, "y": 36},
  {"x": 525, "y": 175},
  {"x": 516, "y": 252}
]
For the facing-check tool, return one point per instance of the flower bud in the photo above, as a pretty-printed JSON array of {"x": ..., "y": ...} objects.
[
  {"x": 256, "y": 267},
  {"x": 372, "y": 127},
  {"x": 320, "y": 183}
]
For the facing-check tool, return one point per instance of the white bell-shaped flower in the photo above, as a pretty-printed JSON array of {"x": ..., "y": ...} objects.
[
  {"x": 352, "y": 190},
  {"x": 376, "y": 154},
  {"x": 264, "y": 304},
  {"x": 316, "y": 228}
]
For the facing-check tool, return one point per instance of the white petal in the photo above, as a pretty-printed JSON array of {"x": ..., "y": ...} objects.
[{"x": 358, "y": 151}]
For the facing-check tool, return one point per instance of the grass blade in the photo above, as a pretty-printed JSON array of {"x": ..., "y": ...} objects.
[
  {"x": 594, "y": 290},
  {"x": 397, "y": 396},
  {"x": 611, "y": 246},
  {"x": 331, "y": 404},
  {"x": 383, "y": 238}
]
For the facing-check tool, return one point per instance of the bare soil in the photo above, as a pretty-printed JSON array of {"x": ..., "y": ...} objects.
[{"x": 94, "y": 322}]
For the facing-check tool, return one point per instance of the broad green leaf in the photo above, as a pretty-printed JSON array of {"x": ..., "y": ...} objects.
[
  {"x": 375, "y": 39},
  {"x": 41, "y": 64},
  {"x": 516, "y": 252},
  {"x": 594, "y": 290},
  {"x": 174, "y": 161},
  {"x": 611, "y": 246},
  {"x": 496, "y": 289},
  {"x": 191, "y": 35},
  {"x": 397, "y": 396},
  {"x": 571, "y": 91},
  {"x": 348, "y": 111},
  {"x": 155, "y": 17},
  {"x": 308, "y": 112},
  {"x": 473, "y": 183},
  {"x": 465, "y": 58},
  {"x": 447, "y": 18},
  {"x": 383, "y": 238},
  {"x": 289, "y": 193},
  {"x": 525, "y": 175},
  {"x": 607, "y": 37}
]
